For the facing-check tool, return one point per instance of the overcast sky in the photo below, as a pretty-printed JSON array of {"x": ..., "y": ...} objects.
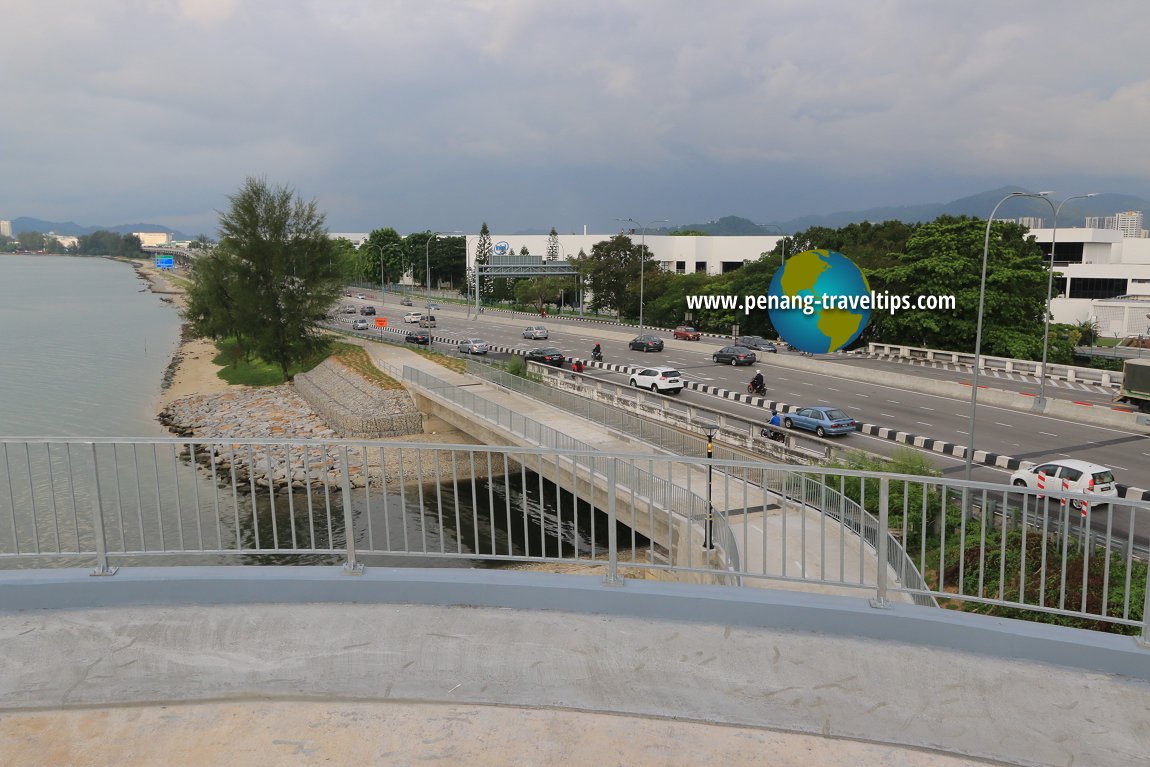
[{"x": 529, "y": 114}]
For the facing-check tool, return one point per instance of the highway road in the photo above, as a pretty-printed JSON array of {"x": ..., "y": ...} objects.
[{"x": 898, "y": 405}]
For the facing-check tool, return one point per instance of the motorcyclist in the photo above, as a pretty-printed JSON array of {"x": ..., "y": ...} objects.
[
  {"x": 757, "y": 385},
  {"x": 597, "y": 352},
  {"x": 776, "y": 424}
]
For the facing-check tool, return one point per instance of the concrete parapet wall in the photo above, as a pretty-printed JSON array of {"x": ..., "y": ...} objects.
[{"x": 354, "y": 406}]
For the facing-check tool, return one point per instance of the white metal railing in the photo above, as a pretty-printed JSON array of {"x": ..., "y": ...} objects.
[{"x": 112, "y": 503}]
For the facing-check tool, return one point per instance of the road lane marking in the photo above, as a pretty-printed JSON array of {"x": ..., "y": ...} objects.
[
  {"x": 886, "y": 415},
  {"x": 894, "y": 401},
  {"x": 1000, "y": 423},
  {"x": 923, "y": 423},
  {"x": 924, "y": 407},
  {"x": 1055, "y": 435},
  {"x": 858, "y": 394}
]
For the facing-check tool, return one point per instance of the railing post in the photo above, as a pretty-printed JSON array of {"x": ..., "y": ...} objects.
[
  {"x": 880, "y": 599},
  {"x": 102, "y": 567},
  {"x": 351, "y": 566},
  {"x": 612, "y": 578},
  {"x": 1144, "y": 639}
]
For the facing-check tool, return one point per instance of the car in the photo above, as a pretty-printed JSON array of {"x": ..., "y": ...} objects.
[
  {"x": 427, "y": 321},
  {"x": 405, "y": 301},
  {"x": 662, "y": 380},
  {"x": 686, "y": 333},
  {"x": 735, "y": 355},
  {"x": 367, "y": 310},
  {"x": 548, "y": 355},
  {"x": 758, "y": 343},
  {"x": 360, "y": 296},
  {"x": 359, "y": 324},
  {"x": 822, "y": 420},
  {"x": 536, "y": 333},
  {"x": 433, "y": 307},
  {"x": 418, "y": 337},
  {"x": 1070, "y": 475},
  {"x": 347, "y": 294},
  {"x": 472, "y": 346},
  {"x": 349, "y": 309},
  {"x": 646, "y": 344},
  {"x": 412, "y": 316}
]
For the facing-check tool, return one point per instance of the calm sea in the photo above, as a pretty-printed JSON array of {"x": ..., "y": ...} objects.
[{"x": 83, "y": 348}]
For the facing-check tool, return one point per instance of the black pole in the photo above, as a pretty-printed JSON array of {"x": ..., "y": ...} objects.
[{"x": 708, "y": 535}]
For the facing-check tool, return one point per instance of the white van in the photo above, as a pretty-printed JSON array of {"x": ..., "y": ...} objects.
[{"x": 412, "y": 316}]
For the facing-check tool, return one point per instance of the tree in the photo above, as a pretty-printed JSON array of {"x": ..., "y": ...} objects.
[
  {"x": 611, "y": 273},
  {"x": 483, "y": 251},
  {"x": 553, "y": 245},
  {"x": 384, "y": 247},
  {"x": 271, "y": 279},
  {"x": 944, "y": 257},
  {"x": 543, "y": 290}
]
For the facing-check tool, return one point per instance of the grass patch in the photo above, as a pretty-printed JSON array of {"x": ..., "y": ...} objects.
[
  {"x": 357, "y": 358},
  {"x": 451, "y": 363},
  {"x": 253, "y": 371}
]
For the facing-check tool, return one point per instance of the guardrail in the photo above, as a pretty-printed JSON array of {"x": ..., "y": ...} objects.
[
  {"x": 1007, "y": 364},
  {"x": 112, "y": 503}
]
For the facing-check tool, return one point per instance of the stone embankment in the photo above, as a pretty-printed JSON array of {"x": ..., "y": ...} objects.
[
  {"x": 279, "y": 412},
  {"x": 356, "y": 407}
]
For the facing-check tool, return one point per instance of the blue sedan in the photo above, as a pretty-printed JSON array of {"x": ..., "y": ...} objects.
[{"x": 821, "y": 420}]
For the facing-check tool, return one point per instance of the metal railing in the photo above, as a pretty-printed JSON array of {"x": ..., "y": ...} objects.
[
  {"x": 673, "y": 503},
  {"x": 789, "y": 486},
  {"x": 112, "y": 503}
]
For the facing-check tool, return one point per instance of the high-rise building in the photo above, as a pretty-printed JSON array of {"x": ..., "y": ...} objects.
[
  {"x": 1032, "y": 222},
  {"x": 5, "y": 228},
  {"x": 1129, "y": 223}
]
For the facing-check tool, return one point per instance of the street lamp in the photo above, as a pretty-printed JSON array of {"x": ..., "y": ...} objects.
[
  {"x": 709, "y": 532},
  {"x": 643, "y": 255},
  {"x": 1041, "y": 403},
  {"x": 978, "y": 334}
]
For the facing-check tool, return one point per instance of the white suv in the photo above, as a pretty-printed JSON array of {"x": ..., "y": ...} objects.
[
  {"x": 412, "y": 316},
  {"x": 662, "y": 380},
  {"x": 1071, "y": 476}
]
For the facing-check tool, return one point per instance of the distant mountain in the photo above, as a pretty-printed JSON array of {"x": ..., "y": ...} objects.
[
  {"x": 979, "y": 206},
  {"x": 25, "y": 224}
]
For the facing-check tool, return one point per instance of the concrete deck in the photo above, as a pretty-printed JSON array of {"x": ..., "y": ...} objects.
[{"x": 349, "y": 670}]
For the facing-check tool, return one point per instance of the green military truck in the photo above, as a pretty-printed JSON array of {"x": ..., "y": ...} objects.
[{"x": 1136, "y": 384}]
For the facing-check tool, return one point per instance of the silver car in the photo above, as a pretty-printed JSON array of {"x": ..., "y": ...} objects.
[
  {"x": 535, "y": 332},
  {"x": 360, "y": 324},
  {"x": 472, "y": 346}
]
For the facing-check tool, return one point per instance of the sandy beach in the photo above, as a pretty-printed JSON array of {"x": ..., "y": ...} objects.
[{"x": 195, "y": 373}]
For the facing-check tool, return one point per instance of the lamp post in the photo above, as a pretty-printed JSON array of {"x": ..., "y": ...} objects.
[
  {"x": 711, "y": 429},
  {"x": 643, "y": 255},
  {"x": 1041, "y": 402},
  {"x": 978, "y": 337}
]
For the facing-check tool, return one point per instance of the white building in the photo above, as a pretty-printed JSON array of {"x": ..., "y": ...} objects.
[
  {"x": 5, "y": 228},
  {"x": 682, "y": 255},
  {"x": 153, "y": 239},
  {"x": 1129, "y": 223}
]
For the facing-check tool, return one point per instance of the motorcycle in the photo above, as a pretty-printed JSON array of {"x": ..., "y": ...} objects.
[
  {"x": 760, "y": 391},
  {"x": 597, "y": 356}
]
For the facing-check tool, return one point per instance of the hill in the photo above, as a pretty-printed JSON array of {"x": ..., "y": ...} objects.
[
  {"x": 977, "y": 206},
  {"x": 26, "y": 224}
]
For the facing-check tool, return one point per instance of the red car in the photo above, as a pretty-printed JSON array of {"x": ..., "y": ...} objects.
[{"x": 687, "y": 333}]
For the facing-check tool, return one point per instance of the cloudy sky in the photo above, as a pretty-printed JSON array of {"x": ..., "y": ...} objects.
[{"x": 527, "y": 114}]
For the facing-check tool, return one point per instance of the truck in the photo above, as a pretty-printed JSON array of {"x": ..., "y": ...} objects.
[{"x": 1135, "y": 388}]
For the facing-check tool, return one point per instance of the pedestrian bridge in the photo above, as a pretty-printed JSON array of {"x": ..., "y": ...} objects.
[{"x": 184, "y": 571}]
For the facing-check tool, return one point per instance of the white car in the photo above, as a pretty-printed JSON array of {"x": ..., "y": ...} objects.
[
  {"x": 1068, "y": 475},
  {"x": 662, "y": 380},
  {"x": 412, "y": 316},
  {"x": 535, "y": 332},
  {"x": 360, "y": 324}
]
